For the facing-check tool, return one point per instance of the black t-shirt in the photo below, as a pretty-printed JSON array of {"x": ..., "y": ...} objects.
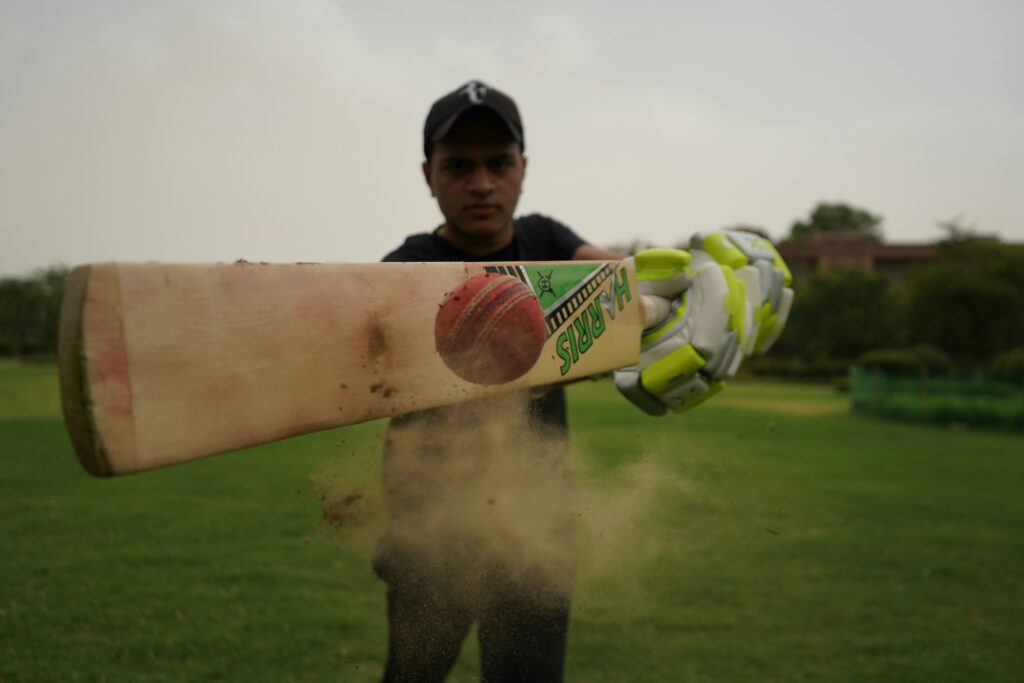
[{"x": 536, "y": 238}]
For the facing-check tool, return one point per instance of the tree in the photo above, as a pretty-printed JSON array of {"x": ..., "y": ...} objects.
[
  {"x": 970, "y": 303},
  {"x": 958, "y": 230},
  {"x": 837, "y": 218},
  {"x": 839, "y": 315},
  {"x": 30, "y": 311},
  {"x": 20, "y": 315}
]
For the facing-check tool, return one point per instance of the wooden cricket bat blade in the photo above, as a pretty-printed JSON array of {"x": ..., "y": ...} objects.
[
  {"x": 75, "y": 401},
  {"x": 163, "y": 363}
]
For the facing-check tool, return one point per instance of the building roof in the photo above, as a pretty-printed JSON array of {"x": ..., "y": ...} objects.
[{"x": 839, "y": 248}]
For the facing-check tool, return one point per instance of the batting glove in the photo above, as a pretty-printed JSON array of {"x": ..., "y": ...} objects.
[
  {"x": 727, "y": 298},
  {"x": 685, "y": 357}
]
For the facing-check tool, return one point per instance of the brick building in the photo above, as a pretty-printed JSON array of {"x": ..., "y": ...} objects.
[{"x": 834, "y": 251}]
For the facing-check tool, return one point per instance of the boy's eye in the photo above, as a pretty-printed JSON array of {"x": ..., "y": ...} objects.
[
  {"x": 457, "y": 165},
  {"x": 501, "y": 163}
]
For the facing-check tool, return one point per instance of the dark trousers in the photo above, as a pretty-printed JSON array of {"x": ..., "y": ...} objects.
[
  {"x": 480, "y": 531},
  {"x": 522, "y": 630}
]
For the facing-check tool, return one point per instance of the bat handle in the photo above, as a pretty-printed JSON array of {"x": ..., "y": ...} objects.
[{"x": 655, "y": 309}]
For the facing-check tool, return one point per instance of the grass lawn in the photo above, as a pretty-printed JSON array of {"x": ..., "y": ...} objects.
[{"x": 768, "y": 536}]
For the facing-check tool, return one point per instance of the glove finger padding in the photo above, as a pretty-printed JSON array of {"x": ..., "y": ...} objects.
[
  {"x": 663, "y": 272},
  {"x": 766, "y": 276}
]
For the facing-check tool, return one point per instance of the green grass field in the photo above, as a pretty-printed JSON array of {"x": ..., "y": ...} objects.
[{"x": 768, "y": 536}]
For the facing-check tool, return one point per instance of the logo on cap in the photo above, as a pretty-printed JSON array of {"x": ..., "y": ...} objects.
[{"x": 476, "y": 92}]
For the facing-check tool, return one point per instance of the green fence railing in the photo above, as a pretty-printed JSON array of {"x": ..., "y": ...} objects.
[{"x": 969, "y": 399}]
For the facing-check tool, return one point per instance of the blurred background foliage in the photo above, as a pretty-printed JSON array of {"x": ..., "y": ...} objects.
[
  {"x": 966, "y": 303},
  {"x": 30, "y": 312}
]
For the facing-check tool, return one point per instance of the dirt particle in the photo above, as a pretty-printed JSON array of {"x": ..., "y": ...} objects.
[
  {"x": 382, "y": 389},
  {"x": 339, "y": 512}
]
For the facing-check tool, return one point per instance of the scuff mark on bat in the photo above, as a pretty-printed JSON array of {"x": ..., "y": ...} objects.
[{"x": 376, "y": 335}]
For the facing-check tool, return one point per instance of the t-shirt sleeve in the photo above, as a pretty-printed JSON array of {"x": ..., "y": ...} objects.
[
  {"x": 547, "y": 239},
  {"x": 415, "y": 249},
  {"x": 399, "y": 255},
  {"x": 566, "y": 242}
]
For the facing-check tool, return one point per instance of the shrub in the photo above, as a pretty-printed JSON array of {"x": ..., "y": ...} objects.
[
  {"x": 841, "y": 384},
  {"x": 771, "y": 366},
  {"x": 932, "y": 358},
  {"x": 795, "y": 368},
  {"x": 894, "y": 361},
  {"x": 921, "y": 359},
  {"x": 1009, "y": 365}
]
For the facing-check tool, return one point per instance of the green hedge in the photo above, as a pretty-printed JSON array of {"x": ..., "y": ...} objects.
[
  {"x": 975, "y": 400},
  {"x": 913, "y": 361}
]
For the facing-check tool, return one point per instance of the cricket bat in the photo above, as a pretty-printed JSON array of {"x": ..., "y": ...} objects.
[{"x": 164, "y": 363}]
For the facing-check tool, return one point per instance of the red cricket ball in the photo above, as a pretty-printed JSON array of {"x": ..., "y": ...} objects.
[{"x": 490, "y": 329}]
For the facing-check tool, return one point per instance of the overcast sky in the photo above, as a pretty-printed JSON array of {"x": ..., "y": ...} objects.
[{"x": 290, "y": 130}]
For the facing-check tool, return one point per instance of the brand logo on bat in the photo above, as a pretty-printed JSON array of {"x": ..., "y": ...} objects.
[
  {"x": 544, "y": 285},
  {"x": 589, "y": 323}
]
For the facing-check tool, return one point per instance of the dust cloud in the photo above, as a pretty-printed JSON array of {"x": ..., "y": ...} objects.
[{"x": 479, "y": 489}]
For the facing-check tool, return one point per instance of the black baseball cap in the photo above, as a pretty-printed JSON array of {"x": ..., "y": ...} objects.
[{"x": 474, "y": 94}]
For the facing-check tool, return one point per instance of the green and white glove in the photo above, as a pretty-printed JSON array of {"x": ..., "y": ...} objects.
[
  {"x": 765, "y": 276},
  {"x": 714, "y": 317}
]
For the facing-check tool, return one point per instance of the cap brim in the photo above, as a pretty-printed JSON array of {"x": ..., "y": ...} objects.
[{"x": 446, "y": 126}]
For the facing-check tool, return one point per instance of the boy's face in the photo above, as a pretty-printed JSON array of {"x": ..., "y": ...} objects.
[{"x": 476, "y": 173}]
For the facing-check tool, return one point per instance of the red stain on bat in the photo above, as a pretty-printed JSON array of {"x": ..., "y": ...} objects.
[
  {"x": 111, "y": 370},
  {"x": 227, "y": 390}
]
